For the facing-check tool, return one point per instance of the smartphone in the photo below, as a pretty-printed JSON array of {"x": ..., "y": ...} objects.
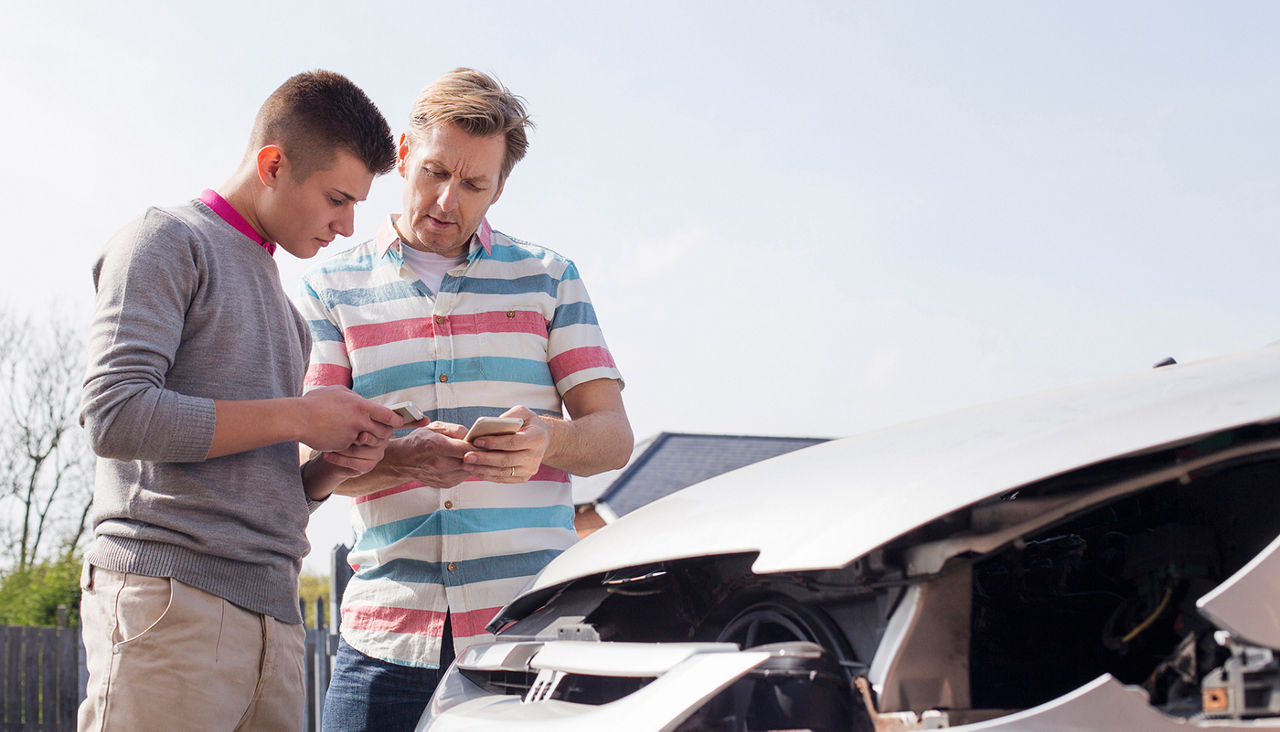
[
  {"x": 486, "y": 426},
  {"x": 408, "y": 410}
]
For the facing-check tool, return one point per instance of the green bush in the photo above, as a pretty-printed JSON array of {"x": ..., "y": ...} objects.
[
  {"x": 31, "y": 596},
  {"x": 310, "y": 587}
]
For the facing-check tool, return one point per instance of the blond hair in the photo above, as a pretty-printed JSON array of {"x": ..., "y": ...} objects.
[{"x": 479, "y": 105}]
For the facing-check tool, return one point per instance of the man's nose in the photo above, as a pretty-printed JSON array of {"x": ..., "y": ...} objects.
[
  {"x": 346, "y": 223},
  {"x": 447, "y": 199}
]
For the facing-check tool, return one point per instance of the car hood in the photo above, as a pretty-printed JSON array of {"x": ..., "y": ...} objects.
[{"x": 826, "y": 505}]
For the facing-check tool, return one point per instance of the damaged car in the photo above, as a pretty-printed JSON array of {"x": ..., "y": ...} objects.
[{"x": 1100, "y": 557}]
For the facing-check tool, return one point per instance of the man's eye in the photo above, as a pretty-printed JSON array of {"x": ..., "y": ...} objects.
[{"x": 335, "y": 201}]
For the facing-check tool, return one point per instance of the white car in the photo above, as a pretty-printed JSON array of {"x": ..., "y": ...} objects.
[{"x": 1102, "y": 557}]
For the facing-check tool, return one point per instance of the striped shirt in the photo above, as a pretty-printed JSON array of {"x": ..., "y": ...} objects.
[{"x": 512, "y": 325}]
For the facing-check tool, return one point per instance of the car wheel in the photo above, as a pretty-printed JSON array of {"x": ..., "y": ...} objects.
[
  {"x": 806, "y": 685},
  {"x": 780, "y": 621}
]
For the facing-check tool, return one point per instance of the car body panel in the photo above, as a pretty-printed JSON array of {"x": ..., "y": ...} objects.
[
  {"x": 620, "y": 659},
  {"x": 1103, "y": 705},
  {"x": 942, "y": 464},
  {"x": 928, "y": 558},
  {"x": 696, "y": 673},
  {"x": 1248, "y": 603}
]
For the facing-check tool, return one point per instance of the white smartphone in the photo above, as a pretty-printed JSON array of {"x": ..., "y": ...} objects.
[
  {"x": 486, "y": 426},
  {"x": 408, "y": 410}
]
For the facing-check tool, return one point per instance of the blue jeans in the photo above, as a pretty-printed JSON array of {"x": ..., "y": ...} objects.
[{"x": 370, "y": 694}]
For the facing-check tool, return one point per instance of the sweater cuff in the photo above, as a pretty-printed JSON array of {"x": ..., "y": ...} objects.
[
  {"x": 198, "y": 416},
  {"x": 313, "y": 504}
]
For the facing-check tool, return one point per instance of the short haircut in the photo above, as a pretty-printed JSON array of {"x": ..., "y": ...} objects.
[
  {"x": 315, "y": 114},
  {"x": 479, "y": 105}
]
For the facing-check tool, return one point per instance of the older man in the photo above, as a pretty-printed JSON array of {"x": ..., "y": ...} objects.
[{"x": 464, "y": 321}]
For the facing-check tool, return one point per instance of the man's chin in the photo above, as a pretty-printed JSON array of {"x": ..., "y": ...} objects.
[
  {"x": 438, "y": 242},
  {"x": 302, "y": 250}
]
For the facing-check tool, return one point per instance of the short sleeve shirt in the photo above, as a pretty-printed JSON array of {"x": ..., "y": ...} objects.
[{"x": 512, "y": 325}]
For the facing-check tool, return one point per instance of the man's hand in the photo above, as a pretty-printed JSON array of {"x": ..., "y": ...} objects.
[
  {"x": 511, "y": 458},
  {"x": 329, "y": 418},
  {"x": 432, "y": 455},
  {"x": 326, "y": 470},
  {"x": 336, "y": 418},
  {"x": 356, "y": 459}
]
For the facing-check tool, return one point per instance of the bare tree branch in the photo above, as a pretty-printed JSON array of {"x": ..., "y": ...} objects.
[{"x": 44, "y": 476}]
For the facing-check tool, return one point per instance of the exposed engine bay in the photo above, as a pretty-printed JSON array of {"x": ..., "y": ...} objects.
[{"x": 971, "y": 617}]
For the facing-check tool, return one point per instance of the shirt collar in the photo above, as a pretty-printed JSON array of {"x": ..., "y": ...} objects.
[
  {"x": 228, "y": 214},
  {"x": 388, "y": 237}
]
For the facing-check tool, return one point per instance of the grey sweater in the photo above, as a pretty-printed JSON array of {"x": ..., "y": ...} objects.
[{"x": 189, "y": 310}]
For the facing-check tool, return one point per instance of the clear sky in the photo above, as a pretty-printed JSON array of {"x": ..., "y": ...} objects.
[{"x": 794, "y": 218}]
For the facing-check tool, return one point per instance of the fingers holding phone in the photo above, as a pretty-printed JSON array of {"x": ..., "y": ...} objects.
[
  {"x": 492, "y": 427},
  {"x": 410, "y": 413},
  {"x": 510, "y": 447}
]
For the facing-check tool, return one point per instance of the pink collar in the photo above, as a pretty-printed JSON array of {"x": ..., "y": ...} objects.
[
  {"x": 387, "y": 234},
  {"x": 228, "y": 214}
]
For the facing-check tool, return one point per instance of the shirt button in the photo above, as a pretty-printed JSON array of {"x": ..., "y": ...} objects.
[
  {"x": 444, "y": 378},
  {"x": 511, "y": 313},
  {"x": 448, "y": 504},
  {"x": 452, "y": 566},
  {"x": 440, "y": 319}
]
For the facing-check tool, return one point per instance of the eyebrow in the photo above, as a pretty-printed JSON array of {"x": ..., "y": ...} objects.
[{"x": 472, "y": 179}]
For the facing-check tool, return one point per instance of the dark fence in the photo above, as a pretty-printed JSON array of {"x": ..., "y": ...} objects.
[
  {"x": 322, "y": 646},
  {"x": 40, "y": 679}
]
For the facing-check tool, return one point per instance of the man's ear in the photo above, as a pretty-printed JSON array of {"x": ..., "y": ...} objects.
[
  {"x": 402, "y": 153},
  {"x": 270, "y": 164}
]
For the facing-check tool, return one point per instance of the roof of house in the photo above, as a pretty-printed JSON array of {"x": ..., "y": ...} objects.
[{"x": 669, "y": 461}]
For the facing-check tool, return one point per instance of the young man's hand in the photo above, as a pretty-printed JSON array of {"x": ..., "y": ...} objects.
[
  {"x": 356, "y": 459},
  {"x": 325, "y": 471},
  {"x": 328, "y": 418},
  {"x": 335, "y": 418}
]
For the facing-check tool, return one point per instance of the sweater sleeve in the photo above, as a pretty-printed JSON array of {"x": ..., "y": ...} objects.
[{"x": 146, "y": 280}]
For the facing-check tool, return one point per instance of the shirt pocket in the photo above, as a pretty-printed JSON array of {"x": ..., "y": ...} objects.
[{"x": 506, "y": 343}]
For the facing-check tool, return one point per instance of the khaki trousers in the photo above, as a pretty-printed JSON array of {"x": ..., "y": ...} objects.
[{"x": 165, "y": 656}]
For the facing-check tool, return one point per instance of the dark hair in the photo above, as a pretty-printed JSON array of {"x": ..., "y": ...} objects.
[
  {"x": 479, "y": 105},
  {"x": 315, "y": 114}
]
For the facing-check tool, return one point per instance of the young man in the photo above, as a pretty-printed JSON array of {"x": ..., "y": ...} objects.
[
  {"x": 193, "y": 402},
  {"x": 466, "y": 322}
]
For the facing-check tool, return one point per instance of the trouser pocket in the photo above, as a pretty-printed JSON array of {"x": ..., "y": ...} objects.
[{"x": 141, "y": 605}]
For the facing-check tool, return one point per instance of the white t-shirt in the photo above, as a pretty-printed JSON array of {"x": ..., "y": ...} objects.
[{"x": 430, "y": 268}]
